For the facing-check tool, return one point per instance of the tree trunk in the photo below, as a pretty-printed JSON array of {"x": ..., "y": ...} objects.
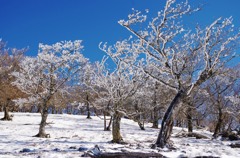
[
  {"x": 179, "y": 123},
  {"x": 53, "y": 109},
  {"x": 169, "y": 129},
  {"x": 107, "y": 128},
  {"x": 138, "y": 117},
  {"x": 7, "y": 116},
  {"x": 155, "y": 109},
  {"x": 198, "y": 122},
  {"x": 141, "y": 125},
  {"x": 44, "y": 115},
  {"x": 219, "y": 123},
  {"x": 109, "y": 124},
  {"x": 88, "y": 108},
  {"x": 59, "y": 111},
  {"x": 230, "y": 124},
  {"x": 117, "y": 138},
  {"x": 189, "y": 118},
  {"x": 155, "y": 118},
  {"x": 39, "y": 110},
  {"x": 32, "y": 109},
  {"x": 70, "y": 110},
  {"x": 166, "y": 126},
  {"x": 104, "y": 121}
]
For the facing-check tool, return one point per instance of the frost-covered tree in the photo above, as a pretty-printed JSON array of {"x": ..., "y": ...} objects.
[
  {"x": 141, "y": 106},
  {"x": 87, "y": 93},
  {"x": 233, "y": 96},
  {"x": 9, "y": 62},
  {"x": 44, "y": 76},
  {"x": 234, "y": 111},
  {"x": 59, "y": 101},
  {"x": 114, "y": 89},
  {"x": 218, "y": 89},
  {"x": 180, "y": 58}
]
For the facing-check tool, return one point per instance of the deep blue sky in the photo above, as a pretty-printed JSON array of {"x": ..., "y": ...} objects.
[{"x": 29, "y": 22}]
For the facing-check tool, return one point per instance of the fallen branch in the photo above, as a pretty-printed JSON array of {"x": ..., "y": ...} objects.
[
  {"x": 127, "y": 155},
  {"x": 192, "y": 134},
  {"x": 96, "y": 153}
]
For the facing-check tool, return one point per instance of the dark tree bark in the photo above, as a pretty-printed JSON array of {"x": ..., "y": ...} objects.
[
  {"x": 219, "y": 123},
  {"x": 137, "y": 118},
  {"x": 141, "y": 125},
  {"x": 88, "y": 108},
  {"x": 179, "y": 123},
  {"x": 32, "y": 108},
  {"x": 39, "y": 110},
  {"x": 198, "y": 122},
  {"x": 44, "y": 115},
  {"x": 117, "y": 138},
  {"x": 109, "y": 124},
  {"x": 169, "y": 129},
  {"x": 189, "y": 118},
  {"x": 7, "y": 116},
  {"x": 107, "y": 128},
  {"x": 155, "y": 118},
  {"x": 155, "y": 109},
  {"x": 53, "y": 109},
  {"x": 167, "y": 123},
  {"x": 104, "y": 121}
]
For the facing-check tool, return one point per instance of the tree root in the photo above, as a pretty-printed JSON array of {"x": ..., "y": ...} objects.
[
  {"x": 6, "y": 119},
  {"x": 42, "y": 135},
  {"x": 119, "y": 142}
]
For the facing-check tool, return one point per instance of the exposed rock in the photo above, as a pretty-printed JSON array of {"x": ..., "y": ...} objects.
[
  {"x": 235, "y": 145},
  {"x": 233, "y": 135},
  {"x": 82, "y": 149},
  {"x": 56, "y": 149},
  {"x": 25, "y": 150},
  {"x": 72, "y": 147}
]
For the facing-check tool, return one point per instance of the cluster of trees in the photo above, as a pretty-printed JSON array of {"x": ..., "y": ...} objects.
[{"x": 183, "y": 77}]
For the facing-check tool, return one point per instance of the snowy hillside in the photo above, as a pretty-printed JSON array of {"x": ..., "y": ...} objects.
[{"x": 69, "y": 133}]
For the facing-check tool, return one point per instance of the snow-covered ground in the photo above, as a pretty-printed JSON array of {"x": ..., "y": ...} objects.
[{"x": 70, "y": 132}]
